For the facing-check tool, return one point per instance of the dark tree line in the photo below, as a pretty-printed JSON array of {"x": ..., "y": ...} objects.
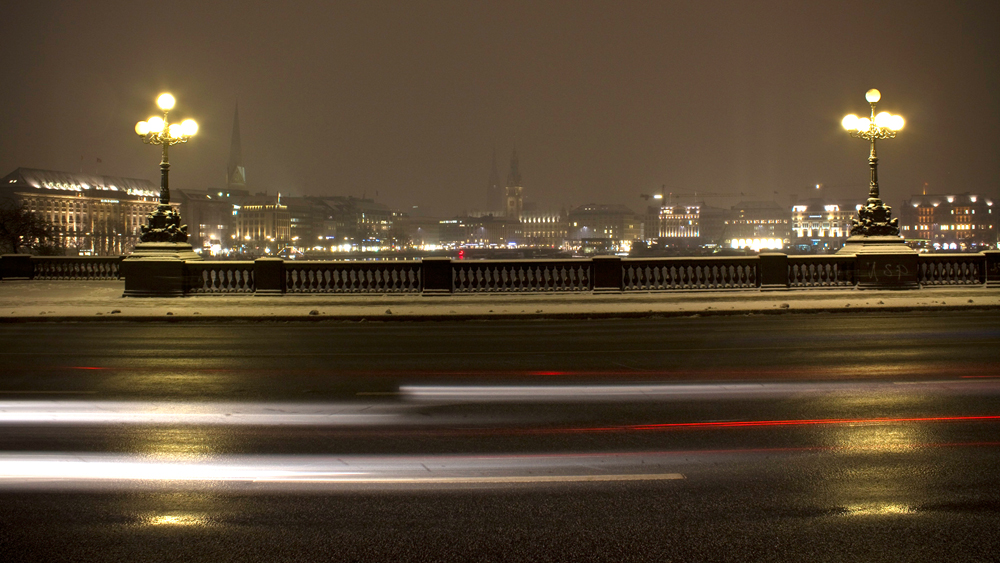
[{"x": 22, "y": 231}]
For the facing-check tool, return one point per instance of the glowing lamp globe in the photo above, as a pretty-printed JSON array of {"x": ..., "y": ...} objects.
[
  {"x": 189, "y": 127},
  {"x": 142, "y": 128},
  {"x": 155, "y": 124},
  {"x": 175, "y": 130},
  {"x": 896, "y": 123},
  {"x": 883, "y": 119},
  {"x": 864, "y": 124},
  {"x": 849, "y": 122},
  {"x": 873, "y": 96},
  {"x": 166, "y": 102}
]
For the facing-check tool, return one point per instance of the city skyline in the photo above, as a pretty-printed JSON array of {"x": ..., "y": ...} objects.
[{"x": 603, "y": 104}]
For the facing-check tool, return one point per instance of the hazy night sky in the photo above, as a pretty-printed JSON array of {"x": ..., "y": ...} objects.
[{"x": 604, "y": 100}]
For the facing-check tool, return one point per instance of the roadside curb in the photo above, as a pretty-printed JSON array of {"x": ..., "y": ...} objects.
[{"x": 472, "y": 317}]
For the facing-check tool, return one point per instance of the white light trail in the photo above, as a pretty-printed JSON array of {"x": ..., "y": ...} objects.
[
  {"x": 167, "y": 413},
  {"x": 674, "y": 391},
  {"x": 121, "y": 471}
]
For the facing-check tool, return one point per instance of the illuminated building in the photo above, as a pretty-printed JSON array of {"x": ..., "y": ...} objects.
[
  {"x": 680, "y": 224},
  {"x": 423, "y": 232},
  {"x": 758, "y": 225},
  {"x": 262, "y": 225},
  {"x": 209, "y": 216},
  {"x": 614, "y": 227},
  {"x": 822, "y": 225},
  {"x": 90, "y": 214},
  {"x": 483, "y": 232},
  {"x": 949, "y": 222},
  {"x": 690, "y": 225},
  {"x": 544, "y": 229}
]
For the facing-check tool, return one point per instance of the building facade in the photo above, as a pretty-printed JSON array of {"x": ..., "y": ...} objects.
[
  {"x": 949, "y": 222},
  {"x": 89, "y": 214},
  {"x": 548, "y": 230},
  {"x": 822, "y": 225},
  {"x": 614, "y": 227},
  {"x": 209, "y": 216},
  {"x": 680, "y": 225},
  {"x": 758, "y": 225},
  {"x": 262, "y": 226}
]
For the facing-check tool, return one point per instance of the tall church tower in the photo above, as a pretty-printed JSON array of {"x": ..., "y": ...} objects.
[
  {"x": 494, "y": 192},
  {"x": 514, "y": 193},
  {"x": 236, "y": 176}
]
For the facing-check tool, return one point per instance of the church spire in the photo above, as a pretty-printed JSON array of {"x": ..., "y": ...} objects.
[
  {"x": 235, "y": 173},
  {"x": 514, "y": 176},
  {"x": 494, "y": 192},
  {"x": 514, "y": 192}
]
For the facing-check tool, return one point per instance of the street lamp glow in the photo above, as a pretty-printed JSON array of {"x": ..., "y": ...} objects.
[
  {"x": 155, "y": 124},
  {"x": 849, "y": 122},
  {"x": 189, "y": 126},
  {"x": 166, "y": 102},
  {"x": 164, "y": 223},
  {"x": 874, "y": 218}
]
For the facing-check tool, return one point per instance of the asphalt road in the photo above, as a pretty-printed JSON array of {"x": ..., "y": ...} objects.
[{"x": 788, "y": 438}]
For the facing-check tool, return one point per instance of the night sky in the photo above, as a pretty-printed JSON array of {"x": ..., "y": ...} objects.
[{"x": 603, "y": 100}]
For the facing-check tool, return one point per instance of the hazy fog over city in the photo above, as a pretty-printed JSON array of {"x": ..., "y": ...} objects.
[{"x": 406, "y": 102}]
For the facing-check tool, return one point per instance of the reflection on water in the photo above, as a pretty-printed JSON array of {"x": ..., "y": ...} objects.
[
  {"x": 878, "y": 510},
  {"x": 896, "y": 438},
  {"x": 177, "y": 443},
  {"x": 175, "y": 520},
  {"x": 182, "y": 381}
]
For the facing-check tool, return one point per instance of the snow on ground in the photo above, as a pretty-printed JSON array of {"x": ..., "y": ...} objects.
[{"x": 28, "y": 300}]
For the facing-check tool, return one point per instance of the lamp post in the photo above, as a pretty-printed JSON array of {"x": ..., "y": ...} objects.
[
  {"x": 874, "y": 218},
  {"x": 164, "y": 224}
]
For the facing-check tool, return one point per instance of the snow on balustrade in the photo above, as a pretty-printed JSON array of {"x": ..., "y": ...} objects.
[
  {"x": 521, "y": 276},
  {"x": 75, "y": 267},
  {"x": 689, "y": 273},
  {"x": 221, "y": 277},
  {"x": 352, "y": 277},
  {"x": 962, "y": 269},
  {"x": 821, "y": 271}
]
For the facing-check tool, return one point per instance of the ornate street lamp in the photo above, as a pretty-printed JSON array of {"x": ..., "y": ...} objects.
[
  {"x": 164, "y": 225},
  {"x": 873, "y": 224}
]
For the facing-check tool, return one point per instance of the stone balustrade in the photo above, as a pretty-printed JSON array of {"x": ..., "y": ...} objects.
[{"x": 768, "y": 271}]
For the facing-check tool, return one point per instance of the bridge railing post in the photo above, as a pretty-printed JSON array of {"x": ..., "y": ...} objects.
[
  {"x": 16, "y": 266},
  {"x": 269, "y": 276},
  {"x": 991, "y": 273},
  {"x": 773, "y": 273},
  {"x": 608, "y": 273},
  {"x": 154, "y": 278},
  {"x": 436, "y": 276}
]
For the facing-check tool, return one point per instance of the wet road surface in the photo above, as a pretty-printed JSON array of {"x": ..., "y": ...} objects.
[{"x": 827, "y": 437}]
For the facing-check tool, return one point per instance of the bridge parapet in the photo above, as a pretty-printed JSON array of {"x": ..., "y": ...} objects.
[{"x": 766, "y": 272}]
